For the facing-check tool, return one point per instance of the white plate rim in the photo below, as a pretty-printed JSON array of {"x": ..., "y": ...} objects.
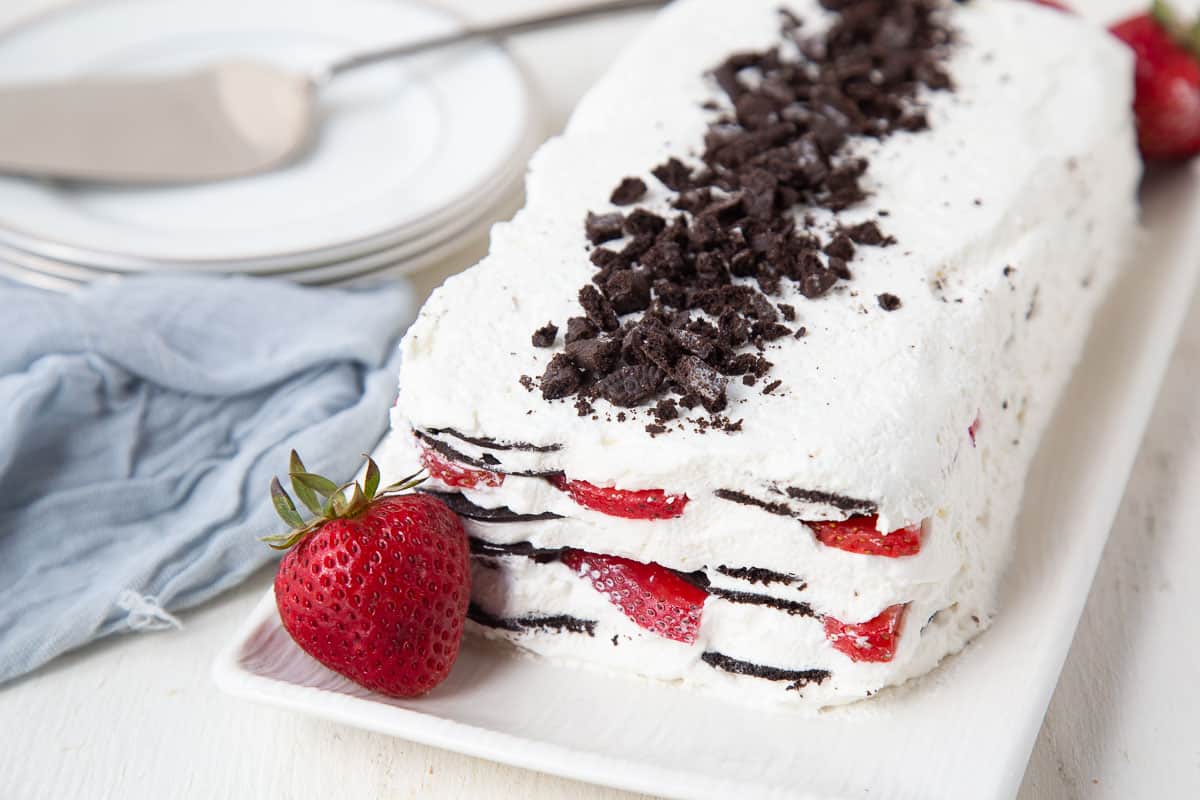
[
  {"x": 118, "y": 261},
  {"x": 382, "y": 265},
  {"x": 33, "y": 271},
  {"x": 410, "y": 253}
]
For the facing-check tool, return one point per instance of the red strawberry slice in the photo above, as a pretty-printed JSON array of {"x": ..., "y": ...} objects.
[
  {"x": 974, "y": 429},
  {"x": 1166, "y": 82},
  {"x": 649, "y": 594},
  {"x": 643, "y": 504},
  {"x": 457, "y": 475},
  {"x": 858, "y": 535},
  {"x": 874, "y": 640}
]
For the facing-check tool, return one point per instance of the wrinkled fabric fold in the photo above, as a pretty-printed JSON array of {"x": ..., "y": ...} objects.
[{"x": 143, "y": 420}]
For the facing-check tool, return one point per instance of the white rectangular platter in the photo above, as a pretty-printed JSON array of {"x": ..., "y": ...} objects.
[{"x": 965, "y": 730}]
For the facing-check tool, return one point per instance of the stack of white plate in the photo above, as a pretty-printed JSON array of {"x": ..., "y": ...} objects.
[{"x": 412, "y": 160}]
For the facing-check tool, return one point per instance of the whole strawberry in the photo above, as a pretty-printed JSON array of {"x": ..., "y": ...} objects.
[
  {"x": 376, "y": 586},
  {"x": 1167, "y": 82}
]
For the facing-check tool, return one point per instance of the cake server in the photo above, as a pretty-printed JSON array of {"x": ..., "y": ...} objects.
[{"x": 224, "y": 120}]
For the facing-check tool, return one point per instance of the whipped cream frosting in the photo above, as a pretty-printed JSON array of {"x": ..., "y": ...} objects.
[{"x": 1012, "y": 214}]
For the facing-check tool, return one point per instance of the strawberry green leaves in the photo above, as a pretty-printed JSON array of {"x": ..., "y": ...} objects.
[
  {"x": 284, "y": 505},
  {"x": 325, "y": 499},
  {"x": 371, "y": 481}
]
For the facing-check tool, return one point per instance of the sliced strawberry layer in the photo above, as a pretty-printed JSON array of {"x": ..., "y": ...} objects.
[
  {"x": 874, "y": 640},
  {"x": 644, "y": 504},
  {"x": 457, "y": 475},
  {"x": 858, "y": 535},
  {"x": 650, "y": 595}
]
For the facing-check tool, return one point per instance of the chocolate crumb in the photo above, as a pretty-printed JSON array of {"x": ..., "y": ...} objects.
[
  {"x": 666, "y": 410},
  {"x": 655, "y": 429},
  {"x": 840, "y": 247},
  {"x": 580, "y": 328},
  {"x": 629, "y": 386},
  {"x": 772, "y": 386},
  {"x": 674, "y": 175},
  {"x": 545, "y": 335},
  {"x": 597, "y": 356},
  {"x": 788, "y": 312},
  {"x": 601, "y": 228},
  {"x": 702, "y": 381},
  {"x": 561, "y": 378},
  {"x": 628, "y": 191},
  {"x": 868, "y": 233},
  {"x": 598, "y": 309},
  {"x": 888, "y": 301},
  {"x": 527, "y": 382}
]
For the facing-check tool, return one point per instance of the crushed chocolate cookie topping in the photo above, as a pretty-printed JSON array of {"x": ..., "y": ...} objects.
[
  {"x": 629, "y": 191},
  {"x": 601, "y": 228},
  {"x": 545, "y": 335},
  {"x": 888, "y": 301},
  {"x": 672, "y": 310}
]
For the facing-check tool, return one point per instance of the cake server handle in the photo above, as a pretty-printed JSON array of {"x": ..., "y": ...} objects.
[{"x": 499, "y": 30}]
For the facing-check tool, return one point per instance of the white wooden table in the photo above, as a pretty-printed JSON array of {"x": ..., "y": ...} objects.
[{"x": 136, "y": 716}]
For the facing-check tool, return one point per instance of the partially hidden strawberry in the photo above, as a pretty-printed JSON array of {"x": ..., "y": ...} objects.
[
  {"x": 457, "y": 475},
  {"x": 874, "y": 640},
  {"x": 375, "y": 586},
  {"x": 640, "y": 504},
  {"x": 649, "y": 594},
  {"x": 858, "y": 535},
  {"x": 1166, "y": 82},
  {"x": 1053, "y": 4}
]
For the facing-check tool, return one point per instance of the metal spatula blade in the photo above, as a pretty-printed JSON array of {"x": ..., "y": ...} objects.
[
  {"x": 231, "y": 119},
  {"x": 223, "y": 121}
]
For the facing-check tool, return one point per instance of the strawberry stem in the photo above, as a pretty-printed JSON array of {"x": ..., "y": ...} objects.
[
  {"x": 284, "y": 505},
  {"x": 310, "y": 488},
  {"x": 1186, "y": 36},
  {"x": 371, "y": 481}
]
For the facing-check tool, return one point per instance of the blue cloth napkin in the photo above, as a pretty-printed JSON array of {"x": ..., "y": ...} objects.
[{"x": 142, "y": 422}]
